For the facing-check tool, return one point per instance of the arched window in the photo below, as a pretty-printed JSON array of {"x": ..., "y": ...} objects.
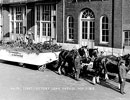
[
  {"x": 88, "y": 24},
  {"x": 70, "y": 28},
  {"x": 104, "y": 29},
  {"x": 88, "y": 14}
]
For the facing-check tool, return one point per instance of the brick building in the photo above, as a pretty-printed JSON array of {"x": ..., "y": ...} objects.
[{"x": 97, "y": 23}]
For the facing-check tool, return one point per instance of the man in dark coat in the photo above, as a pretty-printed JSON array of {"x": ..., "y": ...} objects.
[{"x": 122, "y": 76}]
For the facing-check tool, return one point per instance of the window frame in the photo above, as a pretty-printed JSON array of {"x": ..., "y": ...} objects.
[
  {"x": 106, "y": 29},
  {"x": 128, "y": 38},
  {"x": 17, "y": 15},
  {"x": 70, "y": 30},
  {"x": 41, "y": 19}
]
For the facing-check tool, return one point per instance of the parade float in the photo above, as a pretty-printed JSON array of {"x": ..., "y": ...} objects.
[{"x": 38, "y": 54}]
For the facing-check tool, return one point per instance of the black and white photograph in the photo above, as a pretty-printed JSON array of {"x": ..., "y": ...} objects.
[{"x": 64, "y": 49}]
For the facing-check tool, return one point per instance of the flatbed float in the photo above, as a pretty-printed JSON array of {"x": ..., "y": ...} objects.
[{"x": 22, "y": 58}]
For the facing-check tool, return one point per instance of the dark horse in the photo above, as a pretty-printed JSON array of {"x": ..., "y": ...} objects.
[
  {"x": 110, "y": 65},
  {"x": 93, "y": 52},
  {"x": 74, "y": 59}
]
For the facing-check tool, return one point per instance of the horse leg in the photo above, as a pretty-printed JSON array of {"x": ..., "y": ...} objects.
[
  {"x": 59, "y": 67},
  {"x": 62, "y": 68},
  {"x": 59, "y": 64},
  {"x": 94, "y": 80},
  {"x": 59, "y": 70},
  {"x": 97, "y": 76},
  {"x": 97, "y": 79},
  {"x": 119, "y": 85},
  {"x": 106, "y": 76},
  {"x": 105, "y": 69}
]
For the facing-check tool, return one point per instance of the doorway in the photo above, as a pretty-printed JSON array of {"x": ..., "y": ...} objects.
[{"x": 87, "y": 28}]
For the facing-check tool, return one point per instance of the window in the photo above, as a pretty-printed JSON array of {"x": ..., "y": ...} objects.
[
  {"x": 92, "y": 30},
  {"x": 38, "y": 13},
  {"x": 104, "y": 30},
  {"x": 43, "y": 20},
  {"x": 127, "y": 38},
  {"x": 88, "y": 25},
  {"x": 88, "y": 14},
  {"x": 84, "y": 30},
  {"x": 17, "y": 15},
  {"x": 70, "y": 28}
]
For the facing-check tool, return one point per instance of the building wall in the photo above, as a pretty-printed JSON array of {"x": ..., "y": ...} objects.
[
  {"x": 125, "y": 20},
  {"x": 126, "y": 14},
  {"x": 59, "y": 23},
  {"x": 118, "y": 24},
  {"x": 99, "y": 8}
]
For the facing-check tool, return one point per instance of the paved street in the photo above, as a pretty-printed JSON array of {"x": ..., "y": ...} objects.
[{"x": 19, "y": 83}]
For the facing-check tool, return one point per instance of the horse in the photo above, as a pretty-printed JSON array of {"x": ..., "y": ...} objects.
[
  {"x": 73, "y": 58},
  {"x": 99, "y": 66},
  {"x": 110, "y": 65},
  {"x": 89, "y": 68},
  {"x": 115, "y": 61}
]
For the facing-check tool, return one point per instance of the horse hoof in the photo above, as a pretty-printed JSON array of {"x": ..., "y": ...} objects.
[
  {"x": 119, "y": 86},
  {"x": 97, "y": 80},
  {"x": 94, "y": 83},
  {"x": 77, "y": 80},
  {"x": 94, "y": 80},
  {"x": 123, "y": 93},
  {"x": 59, "y": 72},
  {"x": 106, "y": 77}
]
